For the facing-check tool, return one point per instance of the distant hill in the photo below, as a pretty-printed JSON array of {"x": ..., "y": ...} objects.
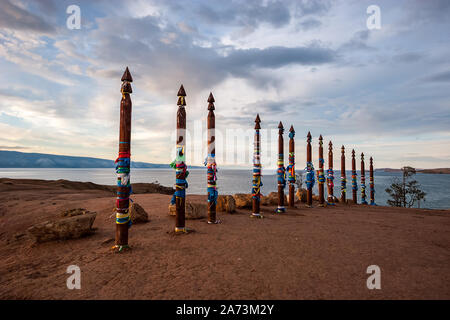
[
  {"x": 438, "y": 170},
  {"x": 14, "y": 159}
]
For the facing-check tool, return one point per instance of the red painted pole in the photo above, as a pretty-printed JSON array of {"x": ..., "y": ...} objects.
[
  {"x": 372, "y": 185},
  {"x": 363, "y": 181},
  {"x": 354, "y": 179},
  {"x": 310, "y": 171},
  {"x": 256, "y": 188},
  {"x": 123, "y": 221},
  {"x": 330, "y": 174},
  {"x": 211, "y": 162},
  {"x": 291, "y": 167},
  {"x": 281, "y": 171},
  {"x": 320, "y": 174},
  {"x": 343, "y": 177},
  {"x": 180, "y": 163}
]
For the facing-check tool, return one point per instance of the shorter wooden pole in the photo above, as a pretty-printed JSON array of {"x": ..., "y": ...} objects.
[
  {"x": 354, "y": 179},
  {"x": 372, "y": 184},
  {"x": 363, "y": 181},
  {"x": 291, "y": 167},
  {"x": 281, "y": 171},
  {"x": 330, "y": 175},
  {"x": 343, "y": 177},
  {"x": 309, "y": 171},
  {"x": 320, "y": 174}
]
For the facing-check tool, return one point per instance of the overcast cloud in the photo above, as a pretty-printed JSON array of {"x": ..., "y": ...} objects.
[{"x": 313, "y": 64}]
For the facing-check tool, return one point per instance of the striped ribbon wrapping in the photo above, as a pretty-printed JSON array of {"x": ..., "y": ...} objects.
[
  {"x": 354, "y": 182},
  {"x": 363, "y": 190},
  {"x": 291, "y": 168},
  {"x": 257, "y": 181},
  {"x": 310, "y": 179},
  {"x": 372, "y": 191},
  {"x": 211, "y": 179},
  {"x": 123, "y": 181}
]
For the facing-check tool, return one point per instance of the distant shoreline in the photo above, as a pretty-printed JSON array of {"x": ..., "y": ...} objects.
[{"x": 430, "y": 171}]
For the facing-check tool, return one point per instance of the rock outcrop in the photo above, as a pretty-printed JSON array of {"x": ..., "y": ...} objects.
[
  {"x": 138, "y": 214},
  {"x": 243, "y": 200},
  {"x": 72, "y": 224},
  {"x": 226, "y": 203},
  {"x": 192, "y": 211}
]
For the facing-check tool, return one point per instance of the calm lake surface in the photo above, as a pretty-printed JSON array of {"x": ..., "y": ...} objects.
[{"x": 232, "y": 181}]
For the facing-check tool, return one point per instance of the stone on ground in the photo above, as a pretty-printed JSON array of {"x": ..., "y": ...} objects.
[{"x": 74, "y": 224}]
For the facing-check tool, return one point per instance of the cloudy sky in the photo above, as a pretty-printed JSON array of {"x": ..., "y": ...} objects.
[{"x": 313, "y": 64}]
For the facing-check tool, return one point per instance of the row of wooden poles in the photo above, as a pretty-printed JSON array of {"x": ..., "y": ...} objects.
[
  {"x": 310, "y": 174},
  {"x": 123, "y": 220}
]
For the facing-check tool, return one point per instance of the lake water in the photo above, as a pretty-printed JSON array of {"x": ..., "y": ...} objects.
[{"x": 232, "y": 181}]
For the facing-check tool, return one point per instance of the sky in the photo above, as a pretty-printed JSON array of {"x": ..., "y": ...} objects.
[{"x": 311, "y": 64}]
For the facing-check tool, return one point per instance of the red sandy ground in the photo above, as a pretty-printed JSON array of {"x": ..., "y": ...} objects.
[{"x": 318, "y": 253}]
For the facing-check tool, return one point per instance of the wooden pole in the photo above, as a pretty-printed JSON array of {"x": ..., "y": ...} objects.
[
  {"x": 363, "y": 181},
  {"x": 309, "y": 170},
  {"x": 354, "y": 181},
  {"x": 281, "y": 171},
  {"x": 180, "y": 162},
  {"x": 211, "y": 162},
  {"x": 123, "y": 220},
  {"x": 320, "y": 174},
  {"x": 343, "y": 176},
  {"x": 291, "y": 167},
  {"x": 372, "y": 185},
  {"x": 256, "y": 188},
  {"x": 330, "y": 174}
]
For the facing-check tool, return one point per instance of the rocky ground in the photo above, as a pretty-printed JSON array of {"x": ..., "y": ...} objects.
[{"x": 317, "y": 253}]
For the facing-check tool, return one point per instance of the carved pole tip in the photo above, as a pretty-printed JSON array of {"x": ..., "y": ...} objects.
[
  {"x": 211, "y": 98},
  {"x": 181, "y": 92},
  {"x": 211, "y": 102},
  {"x": 292, "y": 129},
  {"x": 320, "y": 138},
  {"x": 280, "y": 125},
  {"x": 127, "y": 76},
  {"x": 257, "y": 122}
]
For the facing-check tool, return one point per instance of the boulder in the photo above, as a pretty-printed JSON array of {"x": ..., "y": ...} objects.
[
  {"x": 192, "y": 211},
  {"x": 272, "y": 199},
  {"x": 226, "y": 203},
  {"x": 137, "y": 213},
  {"x": 73, "y": 212},
  {"x": 243, "y": 200},
  {"x": 302, "y": 194},
  {"x": 73, "y": 226}
]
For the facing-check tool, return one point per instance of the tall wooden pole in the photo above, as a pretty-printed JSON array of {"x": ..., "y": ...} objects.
[
  {"x": 343, "y": 176},
  {"x": 320, "y": 173},
  {"x": 330, "y": 174},
  {"x": 211, "y": 162},
  {"x": 309, "y": 171},
  {"x": 291, "y": 167},
  {"x": 363, "y": 181},
  {"x": 256, "y": 188},
  {"x": 354, "y": 181},
  {"x": 180, "y": 164},
  {"x": 372, "y": 185},
  {"x": 123, "y": 221},
  {"x": 281, "y": 171}
]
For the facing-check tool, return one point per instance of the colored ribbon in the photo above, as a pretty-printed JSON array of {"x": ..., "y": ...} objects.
[
  {"x": 310, "y": 180},
  {"x": 123, "y": 181}
]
